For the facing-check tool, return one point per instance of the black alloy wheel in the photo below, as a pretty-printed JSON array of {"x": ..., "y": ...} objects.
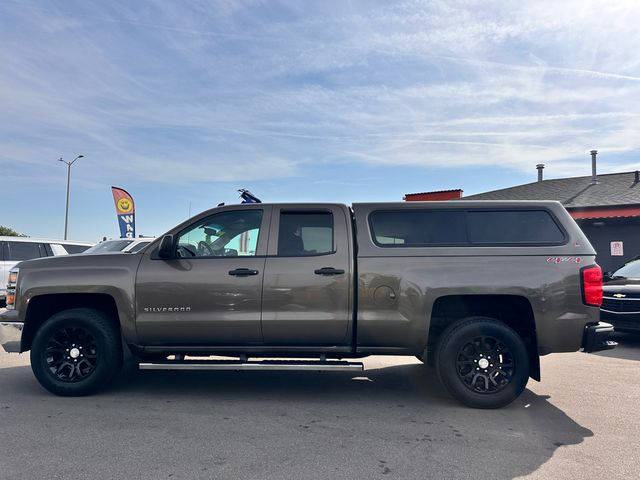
[
  {"x": 76, "y": 352},
  {"x": 482, "y": 362},
  {"x": 485, "y": 365},
  {"x": 72, "y": 354}
]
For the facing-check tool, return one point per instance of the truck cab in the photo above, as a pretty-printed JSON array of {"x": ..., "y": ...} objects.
[{"x": 262, "y": 275}]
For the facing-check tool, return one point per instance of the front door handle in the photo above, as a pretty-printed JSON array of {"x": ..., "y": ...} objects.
[
  {"x": 328, "y": 271},
  {"x": 243, "y": 272}
]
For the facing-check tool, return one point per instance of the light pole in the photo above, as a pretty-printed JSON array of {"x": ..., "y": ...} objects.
[{"x": 66, "y": 212}]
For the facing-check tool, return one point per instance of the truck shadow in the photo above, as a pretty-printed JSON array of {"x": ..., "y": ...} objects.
[
  {"x": 403, "y": 406},
  {"x": 394, "y": 419},
  {"x": 628, "y": 347}
]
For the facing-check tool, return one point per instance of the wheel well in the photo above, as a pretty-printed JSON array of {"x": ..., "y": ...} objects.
[
  {"x": 513, "y": 310},
  {"x": 42, "y": 307}
]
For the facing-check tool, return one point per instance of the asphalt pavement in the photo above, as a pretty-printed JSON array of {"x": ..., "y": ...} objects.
[{"x": 392, "y": 421}]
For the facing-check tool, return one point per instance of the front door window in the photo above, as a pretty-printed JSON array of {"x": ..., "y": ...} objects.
[{"x": 226, "y": 234}]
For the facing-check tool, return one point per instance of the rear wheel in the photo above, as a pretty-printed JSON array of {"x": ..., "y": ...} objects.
[
  {"x": 76, "y": 352},
  {"x": 482, "y": 362}
]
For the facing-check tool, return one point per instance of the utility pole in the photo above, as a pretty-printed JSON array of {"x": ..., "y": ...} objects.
[{"x": 66, "y": 211}]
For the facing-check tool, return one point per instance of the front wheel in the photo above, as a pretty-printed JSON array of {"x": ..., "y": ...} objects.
[
  {"x": 76, "y": 352},
  {"x": 482, "y": 362}
]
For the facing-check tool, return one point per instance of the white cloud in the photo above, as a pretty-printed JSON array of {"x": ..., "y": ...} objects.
[{"x": 194, "y": 93}]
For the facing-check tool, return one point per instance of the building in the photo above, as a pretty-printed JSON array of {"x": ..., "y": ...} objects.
[
  {"x": 433, "y": 196},
  {"x": 607, "y": 208}
]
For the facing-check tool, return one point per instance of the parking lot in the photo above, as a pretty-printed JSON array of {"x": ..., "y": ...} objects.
[{"x": 392, "y": 421}]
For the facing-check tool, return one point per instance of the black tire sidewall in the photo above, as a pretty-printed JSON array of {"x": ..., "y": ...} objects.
[
  {"x": 107, "y": 342},
  {"x": 446, "y": 359}
]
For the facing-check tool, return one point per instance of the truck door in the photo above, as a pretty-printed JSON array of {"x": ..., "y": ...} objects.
[
  {"x": 210, "y": 293},
  {"x": 307, "y": 294}
]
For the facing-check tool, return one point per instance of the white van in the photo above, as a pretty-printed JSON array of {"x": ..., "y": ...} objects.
[{"x": 16, "y": 249}]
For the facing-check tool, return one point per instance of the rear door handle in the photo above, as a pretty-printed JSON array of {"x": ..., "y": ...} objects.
[
  {"x": 328, "y": 271},
  {"x": 243, "y": 272}
]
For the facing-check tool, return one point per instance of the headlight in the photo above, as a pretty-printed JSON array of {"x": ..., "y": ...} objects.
[{"x": 11, "y": 288}]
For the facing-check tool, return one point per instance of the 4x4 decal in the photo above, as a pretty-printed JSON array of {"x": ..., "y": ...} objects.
[{"x": 564, "y": 259}]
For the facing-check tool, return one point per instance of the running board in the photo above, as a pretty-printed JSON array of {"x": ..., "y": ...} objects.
[{"x": 318, "y": 366}]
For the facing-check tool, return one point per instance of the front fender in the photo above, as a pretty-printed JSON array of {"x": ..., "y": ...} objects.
[{"x": 112, "y": 275}]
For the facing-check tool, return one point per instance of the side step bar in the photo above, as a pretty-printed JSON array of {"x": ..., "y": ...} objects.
[{"x": 318, "y": 366}]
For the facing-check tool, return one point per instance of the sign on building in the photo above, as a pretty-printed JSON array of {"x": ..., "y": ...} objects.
[{"x": 617, "y": 249}]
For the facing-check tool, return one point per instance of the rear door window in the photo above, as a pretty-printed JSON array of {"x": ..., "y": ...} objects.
[
  {"x": 305, "y": 233},
  {"x": 19, "y": 251}
]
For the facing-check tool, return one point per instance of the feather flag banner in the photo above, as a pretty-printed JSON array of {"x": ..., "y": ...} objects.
[{"x": 125, "y": 211}]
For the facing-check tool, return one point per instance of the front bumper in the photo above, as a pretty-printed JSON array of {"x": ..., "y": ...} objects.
[
  {"x": 10, "y": 331},
  {"x": 622, "y": 322},
  {"x": 596, "y": 337}
]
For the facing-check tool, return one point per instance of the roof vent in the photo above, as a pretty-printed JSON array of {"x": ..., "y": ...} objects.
[
  {"x": 594, "y": 178},
  {"x": 637, "y": 178},
  {"x": 540, "y": 168}
]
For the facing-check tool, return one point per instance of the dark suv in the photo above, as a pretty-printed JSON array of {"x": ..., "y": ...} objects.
[{"x": 621, "y": 300}]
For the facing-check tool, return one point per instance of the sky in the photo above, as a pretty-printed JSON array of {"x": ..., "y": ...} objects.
[{"x": 183, "y": 103}]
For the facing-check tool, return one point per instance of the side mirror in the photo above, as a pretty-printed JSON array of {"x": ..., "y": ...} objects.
[{"x": 166, "y": 247}]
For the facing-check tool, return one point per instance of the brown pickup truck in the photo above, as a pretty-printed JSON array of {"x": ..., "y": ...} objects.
[{"x": 477, "y": 289}]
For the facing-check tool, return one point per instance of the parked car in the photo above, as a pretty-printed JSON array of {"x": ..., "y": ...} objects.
[
  {"x": 121, "y": 245},
  {"x": 477, "y": 289},
  {"x": 17, "y": 249},
  {"x": 621, "y": 300}
]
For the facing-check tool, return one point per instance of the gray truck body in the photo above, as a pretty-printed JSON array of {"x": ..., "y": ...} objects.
[
  {"x": 479, "y": 289},
  {"x": 389, "y": 299}
]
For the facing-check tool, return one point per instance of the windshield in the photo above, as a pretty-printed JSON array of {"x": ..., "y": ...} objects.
[
  {"x": 71, "y": 249},
  {"x": 630, "y": 270},
  {"x": 138, "y": 247},
  {"x": 109, "y": 246}
]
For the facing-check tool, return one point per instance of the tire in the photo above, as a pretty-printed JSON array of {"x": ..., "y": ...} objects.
[
  {"x": 76, "y": 352},
  {"x": 482, "y": 362}
]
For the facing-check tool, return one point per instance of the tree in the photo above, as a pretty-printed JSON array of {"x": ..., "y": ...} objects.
[{"x": 10, "y": 232}]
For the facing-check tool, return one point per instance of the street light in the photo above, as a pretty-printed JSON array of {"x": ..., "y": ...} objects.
[{"x": 66, "y": 212}]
